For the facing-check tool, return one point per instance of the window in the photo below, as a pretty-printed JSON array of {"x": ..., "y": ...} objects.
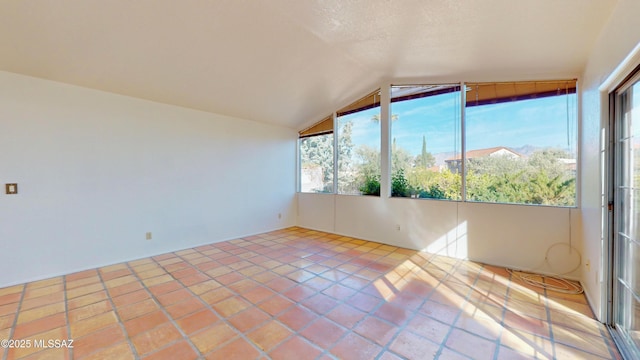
[
  {"x": 520, "y": 143},
  {"x": 516, "y": 144},
  {"x": 316, "y": 157},
  {"x": 425, "y": 132},
  {"x": 359, "y": 147}
]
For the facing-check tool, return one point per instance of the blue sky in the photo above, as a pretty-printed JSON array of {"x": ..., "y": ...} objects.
[{"x": 539, "y": 122}]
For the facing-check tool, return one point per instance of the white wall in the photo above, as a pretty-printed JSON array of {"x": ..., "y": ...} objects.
[
  {"x": 96, "y": 171},
  {"x": 515, "y": 236},
  {"x": 617, "y": 40}
]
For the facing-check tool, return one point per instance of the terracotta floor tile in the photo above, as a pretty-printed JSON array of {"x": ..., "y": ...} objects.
[
  {"x": 7, "y": 321},
  {"x": 165, "y": 287},
  {"x": 251, "y": 270},
  {"x": 249, "y": 319},
  {"x": 444, "y": 313},
  {"x": 346, "y": 315},
  {"x": 296, "y": 293},
  {"x": 299, "y": 292},
  {"x": 157, "y": 280},
  {"x": 145, "y": 323},
  {"x": 194, "y": 279},
  {"x": 155, "y": 272},
  {"x": 81, "y": 274},
  {"x": 155, "y": 339},
  {"x": 133, "y": 311},
  {"x": 174, "y": 297},
  {"x": 258, "y": 294},
  {"x": 183, "y": 272},
  {"x": 267, "y": 336},
  {"x": 412, "y": 346},
  {"x": 231, "y": 306},
  {"x": 297, "y": 317},
  {"x": 323, "y": 333},
  {"x": 376, "y": 330},
  {"x": 504, "y": 353},
  {"x": 564, "y": 352},
  {"x": 40, "y": 312},
  {"x": 394, "y": 314},
  {"x": 180, "y": 350},
  {"x": 47, "y": 323},
  {"x": 86, "y": 300},
  {"x": 89, "y": 311},
  {"x": 583, "y": 341},
  {"x": 428, "y": 328},
  {"x": 120, "y": 351},
  {"x": 318, "y": 283},
  {"x": 84, "y": 290},
  {"x": 53, "y": 334},
  {"x": 31, "y": 293},
  {"x": 98, "y": 340},
  {"x": 355, "y": 347},
  {"x": 364, "y": 302},
  {"x": 320, "y": 303},
  {"x": 49, "y": 354},
  {"x": 526, "y": 323},
  {"x": 212, "y": 337},
  {"x": 243, "y": 285},
  {"x": 471, "y": 345},
  {"x": 334, "y": 275},
  {"x": 131, "y": 298},
  {"x": 42, "y": 301},
  {"x": 197, "y": 321},
  {"x": 186, "y": 307},
  {"x": 237, "y": 349},
  {"x": 276, "y": 305},
  {"x": 217, "y": 295},
  {"x": 204, "y": 287},
  {"x": 120, "y": 281},
  {"x": 124, "y": 289},
  {"x": 82, "y": 282},
  {"x": 280, "y": 284},
  {"x": 295, "y": 348},
  {"x": 84, "y": 327},
  {"x": 10, "y": 298}
]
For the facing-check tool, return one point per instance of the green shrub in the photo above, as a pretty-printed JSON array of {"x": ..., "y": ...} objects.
[{"x": 371, "y": 186}]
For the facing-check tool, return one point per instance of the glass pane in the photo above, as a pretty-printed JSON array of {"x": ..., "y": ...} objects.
[
  {"x": 316, "y": 164},
  {"x": 359, "y": 151},
  {"x": 627, "y": 255},
  {"x": 425, "y": 133},
  {"x": 628, "y": 321},
  {"x": 522, "y": 151}
]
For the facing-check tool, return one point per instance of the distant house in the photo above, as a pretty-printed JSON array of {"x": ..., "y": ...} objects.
[{"x": 454, "y": 164}]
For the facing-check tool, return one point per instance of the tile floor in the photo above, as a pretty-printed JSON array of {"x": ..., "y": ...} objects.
[{"x": 297, "y": 294}]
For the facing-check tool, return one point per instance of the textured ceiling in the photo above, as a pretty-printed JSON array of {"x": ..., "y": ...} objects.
[{"x": 291, "y": 62}]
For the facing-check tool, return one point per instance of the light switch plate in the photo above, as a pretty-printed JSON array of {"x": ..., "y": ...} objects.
[{"x": 11, "y": 189}]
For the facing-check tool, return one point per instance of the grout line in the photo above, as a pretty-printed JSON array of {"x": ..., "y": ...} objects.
[
  {"x": 66, "y": 313},
  {"x": 15, "y": 321},
  {"x": 117, "y": 315}
]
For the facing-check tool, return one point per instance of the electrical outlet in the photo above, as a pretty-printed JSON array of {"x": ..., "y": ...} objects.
[
  {"x": 279, "y": 215},
  {"x": 398, "y": 227},
  {"x": 148, "y": 236}
]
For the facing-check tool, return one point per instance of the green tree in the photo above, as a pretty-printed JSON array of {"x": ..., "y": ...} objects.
[
  {"x": 317, "y": 152},
  {"x": 346, "y": 171},
  {"x": 425, "y": 159}
]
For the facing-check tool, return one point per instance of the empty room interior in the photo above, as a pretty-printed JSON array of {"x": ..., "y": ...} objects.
[{"x": 312, "y": 179}]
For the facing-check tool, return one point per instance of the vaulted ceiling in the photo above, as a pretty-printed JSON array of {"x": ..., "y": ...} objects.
[{"x": 291, "y": 62}]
